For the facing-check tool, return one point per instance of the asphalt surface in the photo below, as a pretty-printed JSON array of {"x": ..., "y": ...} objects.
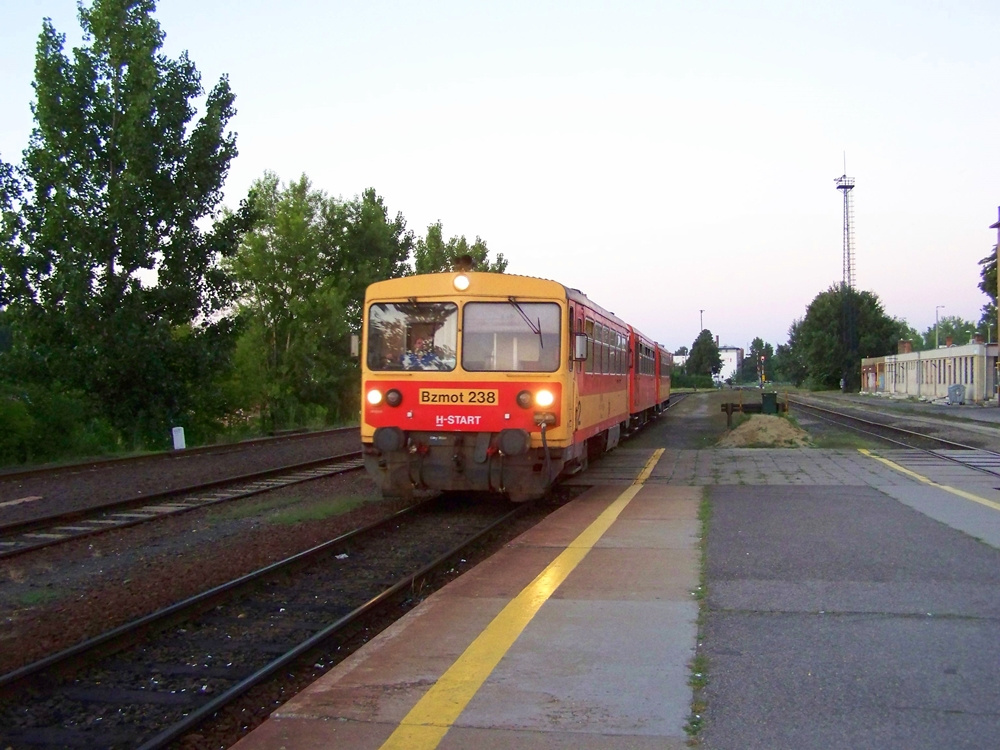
[{"x": 839, "y": 616}]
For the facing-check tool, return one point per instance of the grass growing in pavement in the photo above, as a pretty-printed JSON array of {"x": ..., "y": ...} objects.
[
  {"x": 38, "y": 596},
  {"x": 698, "y": 678},
  {"x": 318, "y": 511},
  {"x": 851, "y": 441}
]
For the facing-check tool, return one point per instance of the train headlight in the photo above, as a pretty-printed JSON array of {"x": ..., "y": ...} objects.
[
  {"x": 374, "y": 397},
  {"x": 524, "y": 399},
  {"x": 544, "y": 398},
  {"x": 394, "y": 398},
  {"x": 461, "y": 282}
]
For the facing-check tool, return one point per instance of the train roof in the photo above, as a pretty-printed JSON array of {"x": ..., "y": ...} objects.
[
  {"x": 482, "y": 284},
  {"x": 488, "y": 284}
]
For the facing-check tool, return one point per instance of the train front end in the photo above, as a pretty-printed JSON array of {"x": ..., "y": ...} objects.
[{"x": 465, "y": 384}]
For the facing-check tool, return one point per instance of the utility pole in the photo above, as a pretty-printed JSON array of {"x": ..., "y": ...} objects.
[{"x": 701, "y": 320}]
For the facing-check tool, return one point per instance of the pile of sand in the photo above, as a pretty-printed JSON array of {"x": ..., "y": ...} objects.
[{"x": 765, "y": 431}]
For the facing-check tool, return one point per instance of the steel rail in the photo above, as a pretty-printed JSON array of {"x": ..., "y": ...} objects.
[
  {"x": 8, "y": 474},
  {"x": 191, "y": 602},
  {"x": 52, "y": 529},
  {"x": 947, "y": 444},
  {"x": 196, "y": 717},
  {"x": 128, "y": 633}
]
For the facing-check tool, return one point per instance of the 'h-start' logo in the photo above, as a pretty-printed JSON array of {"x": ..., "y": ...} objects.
[{"x": 455, "y": 420}]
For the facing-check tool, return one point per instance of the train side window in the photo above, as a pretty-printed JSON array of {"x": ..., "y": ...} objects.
[
  {"x": 607, "y": 350},
  {"x": 598, "y": 348},
  {"x": 590, "y": 349}
]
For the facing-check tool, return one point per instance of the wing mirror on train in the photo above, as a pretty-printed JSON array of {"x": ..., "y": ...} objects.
[
  {"x": 580, "y": 347},
  {"x": 355, "y": 345}
]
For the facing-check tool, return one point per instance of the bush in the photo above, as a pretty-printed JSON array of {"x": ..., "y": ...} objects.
[
  {"x": 18, "y": 427},
  {"x": 683, "y": 380},
  {"x": 43, "y": 425}
]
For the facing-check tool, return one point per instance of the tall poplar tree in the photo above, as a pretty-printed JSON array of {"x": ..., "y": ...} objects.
[{"x": 112, "y": 277}]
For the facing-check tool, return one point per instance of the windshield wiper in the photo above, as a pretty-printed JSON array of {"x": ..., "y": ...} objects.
[{"x": 535, "y": 327}]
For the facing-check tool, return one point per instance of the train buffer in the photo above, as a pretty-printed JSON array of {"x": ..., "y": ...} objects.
[{"x": 769, "y": 404}]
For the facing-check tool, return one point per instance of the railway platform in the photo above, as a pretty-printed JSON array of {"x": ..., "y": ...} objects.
[
  {"x": 579, "y": 634},
  {"x": 851, "y": 604}
]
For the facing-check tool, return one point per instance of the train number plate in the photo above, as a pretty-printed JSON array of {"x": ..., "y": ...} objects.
[{"x": 458, "y": 396}]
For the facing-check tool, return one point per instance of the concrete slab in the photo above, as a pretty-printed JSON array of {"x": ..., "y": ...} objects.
[
  {"x": 839, "y": 617},
  {"x": 610, "y": 671},
  {"x": 622, "y": 574}
]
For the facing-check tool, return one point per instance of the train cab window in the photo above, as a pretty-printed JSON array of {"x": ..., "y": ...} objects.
[
  {"x": 511, "y": 336},
  {"x": 412, "y": 336}
]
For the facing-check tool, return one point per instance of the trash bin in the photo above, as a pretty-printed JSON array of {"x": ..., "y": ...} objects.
[
  {"x": 956, "y": 394},
  {"x": 769, "y": 403}
]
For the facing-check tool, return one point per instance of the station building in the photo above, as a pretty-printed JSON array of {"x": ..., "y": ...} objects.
[{"x": 961, "y": 374}]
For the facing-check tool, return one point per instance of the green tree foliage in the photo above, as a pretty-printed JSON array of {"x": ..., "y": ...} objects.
[
  {"x": 822, "y": 346},
  {"x": 988, "y": 285},
  {"x": 704, "y": 358},
  {"x": 788, "y": 364},
  {"x": 434, "y": 255},
  {"x": 302, "y": 273},
  {"x": 291, "y": 305},
  {"x": 757, "y": 362},
  {"x": 952, "y": 327},
  {"x": 988, "y": 276},
  {"x": 110, "y": 273},
  {"x": 374, "y": 247}
]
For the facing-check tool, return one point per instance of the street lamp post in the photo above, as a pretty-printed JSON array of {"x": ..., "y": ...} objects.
[
  {"x": 938, "y": 307},
  {"x": 701, "y": 320}
]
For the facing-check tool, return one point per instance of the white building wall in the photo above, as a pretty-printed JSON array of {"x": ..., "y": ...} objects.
[
  {"x": 928, "y": 374},
  {"x": 732, "y": 358}
]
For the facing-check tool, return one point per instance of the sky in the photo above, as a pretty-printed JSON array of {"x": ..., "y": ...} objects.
[{"x": 674, "y": 160}]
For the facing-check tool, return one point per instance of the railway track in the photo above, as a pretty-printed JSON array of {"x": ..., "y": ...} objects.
[
  {"x": 147, "y": 683},
  {"x": 15, "y": 474},
  {"x": 32, "y": 534},
  {"x": 976, "y": 458}
]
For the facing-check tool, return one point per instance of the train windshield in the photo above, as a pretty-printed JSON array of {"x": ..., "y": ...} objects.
[
  {"x": 412, "y": 335},
  {"x": 510, "y": 336}
]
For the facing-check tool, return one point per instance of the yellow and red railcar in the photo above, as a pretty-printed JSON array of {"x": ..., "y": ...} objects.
[
  {"x": 642, "y": 380},
  {"x": 664, "y": 367},
  {"x": 483, "y": 381}
]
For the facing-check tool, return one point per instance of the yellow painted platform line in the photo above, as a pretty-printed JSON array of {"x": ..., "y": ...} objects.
[
  {"x": 429, "y": 720},
  {"x": 926, "y": 480}
]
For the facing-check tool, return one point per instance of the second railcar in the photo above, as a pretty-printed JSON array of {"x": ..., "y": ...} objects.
[
  {"x": 642, "y": 380},
  {"x": 664, "y": 368}
]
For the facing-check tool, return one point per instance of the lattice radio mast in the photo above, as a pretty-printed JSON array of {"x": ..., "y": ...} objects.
[
  {"x": 849, "y": 329},
  {"x": 846, "y": 184}
]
